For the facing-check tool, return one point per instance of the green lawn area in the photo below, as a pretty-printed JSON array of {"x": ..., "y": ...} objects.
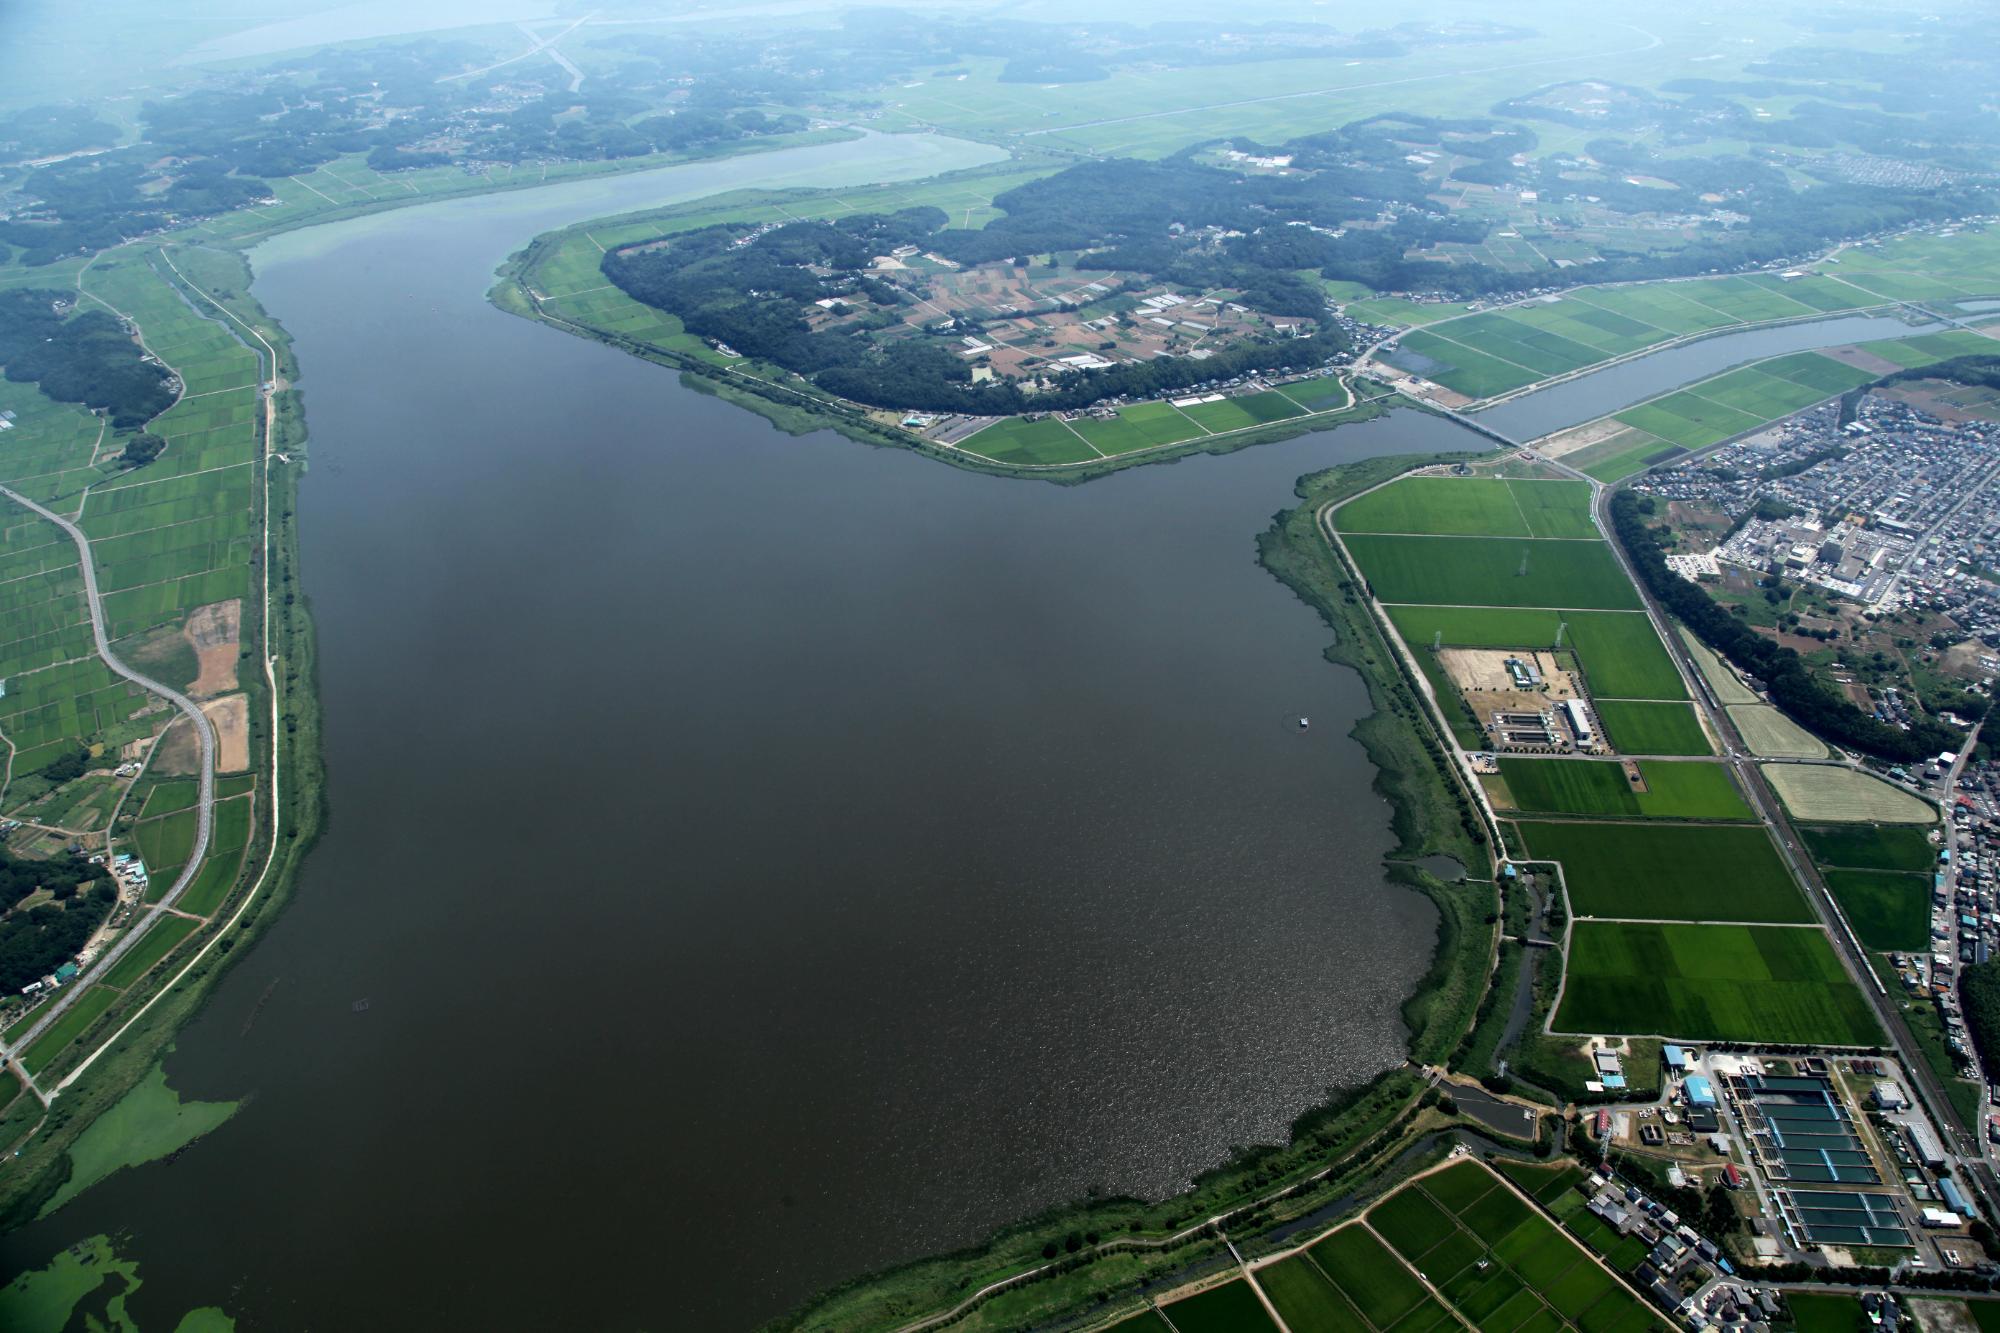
[
  {"x": 1674, "y": 789},
  {"x": 1636, "y": 727},
  {"x": 1231, "y": 1308},
  {"x": 1889, "y": 910},
  {"x": 1826, "y": 792},
  {"x": 1492, "y": 571},
  {"x": 1712, "y": 983},
  {"x": 1679, "y": 872},
  {"x": 1870, "y": 846}
]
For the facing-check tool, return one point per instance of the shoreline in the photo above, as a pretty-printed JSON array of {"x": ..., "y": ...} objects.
[{"x": 1332, "y": 1149}]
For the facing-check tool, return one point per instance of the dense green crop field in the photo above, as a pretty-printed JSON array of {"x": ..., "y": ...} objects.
[
  {"x": 1653, "y": 728},
  {"x": 1029, "y": 442},
  {"x": 1493, "y": 571},
  {"x": 1674, "y": 789},
  {"x": 1889, "y": 910},
  {"x": 1723, "y": 983},
  {"x": 1306, "y": 1298},
  {"x": 1454, "y": 506},
  {"x": 1675, "y": 872},
  {"x": 1141, "y": 426},
  {"x": 1230, "y": 1308},
  {"x": 1870, "y": 846}
]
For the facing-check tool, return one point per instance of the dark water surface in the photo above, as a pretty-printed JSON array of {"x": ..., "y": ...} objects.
[{"x": 766, "y": 858}]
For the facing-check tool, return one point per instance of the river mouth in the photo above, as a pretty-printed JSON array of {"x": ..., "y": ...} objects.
[{"x": 772, "y": 857}]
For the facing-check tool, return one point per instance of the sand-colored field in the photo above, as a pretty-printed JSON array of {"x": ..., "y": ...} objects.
[
  {"x": 1772, "y": 735},
  {"x": 214, "y": 632},
  {"x": 1844, "y": 795},
  {"x": 230, "y": 716}
]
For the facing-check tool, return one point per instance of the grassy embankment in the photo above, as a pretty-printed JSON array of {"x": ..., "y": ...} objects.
[{"x": 1345, "y": 1146}]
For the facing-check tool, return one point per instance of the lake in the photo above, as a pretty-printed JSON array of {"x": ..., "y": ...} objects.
[{"x": 765, "y": 858}]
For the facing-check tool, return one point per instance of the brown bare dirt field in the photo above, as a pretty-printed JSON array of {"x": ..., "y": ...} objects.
[
  {"x": 230, "y": 716},
  {"x": 214, "y": 632},
  {"x": 178, "y": 753},
  {"x": 1581, "y": 437},
  {"x": 1860, "y": 360}
]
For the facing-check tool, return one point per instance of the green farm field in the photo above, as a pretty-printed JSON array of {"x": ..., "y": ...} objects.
[
  {"x": 1497, "y": 1260},
  {"x": 1230, "y": 1308},
  {"x": 1889, "y": 910},
  {"x": 1621, "y": 656},
  {"x": 1472, "y": 507},
  {"x": 1036, "y": 443},
  {"x": 1674, "y": 789},
  {"x": 1870, "y": 847},
  {"x": 1636, "y": 727},
  {"x": 1675, "y": 872},
  {"x": 1712, "y": 983},
  {"x": 1492, "y": 571}
]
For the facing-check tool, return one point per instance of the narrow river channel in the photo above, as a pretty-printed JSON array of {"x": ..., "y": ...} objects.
[{"x": 764, "y": 858}]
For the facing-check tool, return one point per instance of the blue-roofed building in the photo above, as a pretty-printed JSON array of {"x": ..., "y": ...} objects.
[
  {"x": 1675, "y": 1057},
  {"x": 1699, "y": 1091},
  {"x": 1612, "y": 1082},
  {"x": 1954, "y": 1197}
]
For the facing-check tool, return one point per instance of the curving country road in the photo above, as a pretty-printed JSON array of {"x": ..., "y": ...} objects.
[{"x": 146, "y": 915}]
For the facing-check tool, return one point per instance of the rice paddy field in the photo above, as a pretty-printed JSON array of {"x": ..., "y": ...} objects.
[
  {"x": 1830, "y": 793},
  {"x": 1492, "y": 571},
  {"x": 1472, "y": 507},
  {"x": 1653, "y": 728},
  {"x": 1712, "y": 983},
  {"x": 174, "y": 535},
  {"x": 1888, "y": 909},
  {"x": 1903, "y": 847},
  {"x": 1620, "y": 654},
  {"x": 1672, "y": 789},
  {"x": 1659, "y": 871},
  {"x": 1495, "y": 1261}
]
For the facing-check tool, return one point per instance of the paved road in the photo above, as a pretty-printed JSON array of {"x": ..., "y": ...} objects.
[{"x": 146, "y": 917}]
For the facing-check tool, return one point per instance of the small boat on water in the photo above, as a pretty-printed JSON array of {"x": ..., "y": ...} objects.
[{"x": 1304, "y": 722}]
